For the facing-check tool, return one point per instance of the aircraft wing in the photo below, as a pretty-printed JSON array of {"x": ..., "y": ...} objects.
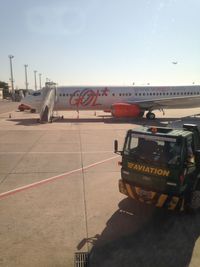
[{"x": 173, "y": 102}]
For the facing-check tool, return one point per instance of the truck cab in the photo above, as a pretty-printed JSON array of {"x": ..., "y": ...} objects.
[{"x": 160, "y": 165}]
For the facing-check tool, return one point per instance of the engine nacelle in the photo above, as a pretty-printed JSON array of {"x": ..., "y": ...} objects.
[{"x": 125, "y": 110}]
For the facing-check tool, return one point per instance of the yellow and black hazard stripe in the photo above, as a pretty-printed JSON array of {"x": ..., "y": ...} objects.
[{"x": 158, "y": 199}]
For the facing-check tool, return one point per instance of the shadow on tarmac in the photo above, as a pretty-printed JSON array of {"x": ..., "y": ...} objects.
[
  {"x": 111, "y": 120},
  {"x": 106, "y": 120},
  {"x": 139, "y": 235},
  {"x": 25, "y": 122}
]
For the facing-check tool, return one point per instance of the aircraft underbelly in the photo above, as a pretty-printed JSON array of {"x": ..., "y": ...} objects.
[
  {"x": 59, "y": 106},
  {"x": 175, "y": 103},
  {"x": 182, "y": 103},
  {"x": 181, "y": 106}
]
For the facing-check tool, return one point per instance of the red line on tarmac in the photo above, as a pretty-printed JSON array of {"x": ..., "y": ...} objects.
[{"x": 51, "y": 179}]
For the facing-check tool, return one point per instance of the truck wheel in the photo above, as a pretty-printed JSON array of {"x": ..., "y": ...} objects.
[
  {"x": 194, "y": 204},
  {"x": 195, "y": 200}
]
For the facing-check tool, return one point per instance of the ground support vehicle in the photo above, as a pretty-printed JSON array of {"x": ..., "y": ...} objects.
[
  {"x": 161, "y": 166},
  {"x": 23, "y": 107}
]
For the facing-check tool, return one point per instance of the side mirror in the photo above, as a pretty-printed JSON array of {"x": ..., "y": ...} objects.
[{"x": 115, "y": 146}]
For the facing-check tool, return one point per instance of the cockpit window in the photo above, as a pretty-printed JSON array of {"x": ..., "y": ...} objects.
[{"x": 36, "y": 93}]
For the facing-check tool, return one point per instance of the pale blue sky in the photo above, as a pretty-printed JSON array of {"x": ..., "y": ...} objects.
[{"x": 111, "y": 42}]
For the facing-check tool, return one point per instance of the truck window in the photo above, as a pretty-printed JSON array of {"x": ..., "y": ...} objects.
[
  {"x": 130, "y": 145},
  {"x": 172, "y": 152},
  {"x": 152, "y": 150},
  {"x": 190, "y": 151}
]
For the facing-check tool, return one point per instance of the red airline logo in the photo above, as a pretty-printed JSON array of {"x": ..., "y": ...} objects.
[{"x": 87, "y": 97}]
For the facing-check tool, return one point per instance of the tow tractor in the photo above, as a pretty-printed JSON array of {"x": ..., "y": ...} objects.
[{"x": 161, "y": 166}]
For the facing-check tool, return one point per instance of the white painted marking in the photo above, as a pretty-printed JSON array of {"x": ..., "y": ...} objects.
[
  {"x": 63, "y": 175},
  {"x": 54, "y": 152}
]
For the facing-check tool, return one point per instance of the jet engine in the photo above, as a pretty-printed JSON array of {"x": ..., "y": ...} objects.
[{"x": 125, "y": 110}]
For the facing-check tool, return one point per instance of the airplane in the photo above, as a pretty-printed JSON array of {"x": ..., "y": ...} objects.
[{"x": 120, "y": 101}]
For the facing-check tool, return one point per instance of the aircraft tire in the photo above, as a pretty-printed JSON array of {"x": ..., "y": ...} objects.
[{"x": 150, "y": 116}]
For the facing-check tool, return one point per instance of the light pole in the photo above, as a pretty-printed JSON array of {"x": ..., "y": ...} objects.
[
  {"x": 40, "y": 74},
  {"x": 26, "y": 80},
  {"x": 11, "y": 74},
  {"x": 35, "y": 71}
]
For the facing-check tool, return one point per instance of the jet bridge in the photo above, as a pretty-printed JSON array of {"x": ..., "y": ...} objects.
[{"x": 48, "y": 103}]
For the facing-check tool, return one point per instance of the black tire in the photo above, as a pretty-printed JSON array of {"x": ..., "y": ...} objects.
[
  {"x": 193, "y": 205},
  {"x": 150, "y": 116},
  {"x": 195, "y": 200}
]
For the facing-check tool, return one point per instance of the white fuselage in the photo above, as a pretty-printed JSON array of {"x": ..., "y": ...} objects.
[{"x": 103, "y": 97}]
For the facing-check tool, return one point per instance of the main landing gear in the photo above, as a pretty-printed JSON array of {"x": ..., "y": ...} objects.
[{"x": 150, "y": 115}]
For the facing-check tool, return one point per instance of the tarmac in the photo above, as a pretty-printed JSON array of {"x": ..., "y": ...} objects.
[{"x": 59, "y": 196}]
